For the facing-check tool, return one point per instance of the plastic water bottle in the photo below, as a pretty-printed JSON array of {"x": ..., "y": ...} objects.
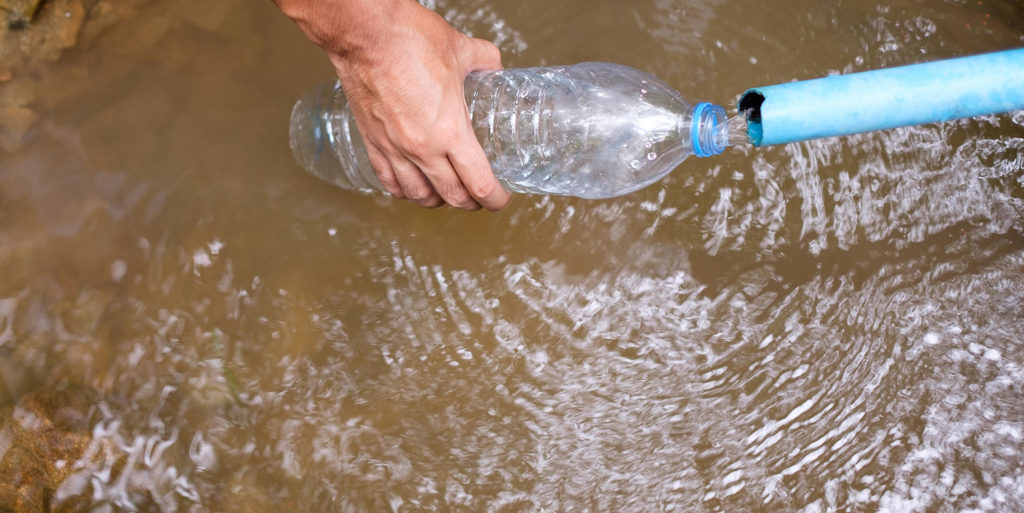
[{"x": 593, "y": 130}]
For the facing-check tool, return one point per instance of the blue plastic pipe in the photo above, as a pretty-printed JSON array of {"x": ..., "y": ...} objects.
[{"x": 887, "y": 98}]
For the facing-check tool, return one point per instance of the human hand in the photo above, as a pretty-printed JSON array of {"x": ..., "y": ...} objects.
[{"x": 402, "y": 68}]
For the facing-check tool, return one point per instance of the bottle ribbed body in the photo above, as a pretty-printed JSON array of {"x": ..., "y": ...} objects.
[
  {"x": 325, "y": 140},
  {"x": 593, "y": 130}
]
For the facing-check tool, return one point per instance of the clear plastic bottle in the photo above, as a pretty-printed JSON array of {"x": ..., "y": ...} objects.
[{"x": 592, "y": 130}]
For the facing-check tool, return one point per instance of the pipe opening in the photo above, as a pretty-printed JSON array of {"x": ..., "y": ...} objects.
[{"x": 750, "y": 107}]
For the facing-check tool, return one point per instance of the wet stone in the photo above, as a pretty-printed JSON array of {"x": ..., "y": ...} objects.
[
  {"x": 20, "y": 12},
  {"x": 35, "y": 32},
  {"x": 82, "y": 316},
  {"x": 16, "y": 116},
  {"x": 44, "y": 439}
]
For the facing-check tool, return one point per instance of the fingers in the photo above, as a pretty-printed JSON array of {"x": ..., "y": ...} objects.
[
  {"x": 474, "y": 170},
  {"x": 403, "y": 180},
  {"x": 415, "y": 186},
  {"x": 465, "y": 154},
  {"x": 431, "y": 175},
  {"x": 385, "y": 173},
  {"x": 458, "y": 169},
  {"x": 417, "y": 130},
  {"x": 426, "y": 185},
  {"x": 449, "y": 186}
]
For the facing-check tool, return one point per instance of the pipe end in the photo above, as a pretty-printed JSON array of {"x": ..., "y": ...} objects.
[{"x": 750, "y": 106}]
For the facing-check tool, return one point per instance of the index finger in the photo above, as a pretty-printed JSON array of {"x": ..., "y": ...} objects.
[{"x": 470, "y": 163}]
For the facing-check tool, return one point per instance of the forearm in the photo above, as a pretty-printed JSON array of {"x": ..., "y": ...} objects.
[{"x": 348, "y": 28}]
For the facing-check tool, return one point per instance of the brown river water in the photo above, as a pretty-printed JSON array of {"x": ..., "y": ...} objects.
[{"x": 188, "y": 322}]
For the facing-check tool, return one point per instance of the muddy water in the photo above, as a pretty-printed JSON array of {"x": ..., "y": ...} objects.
[{"x": 190, "y": 323}]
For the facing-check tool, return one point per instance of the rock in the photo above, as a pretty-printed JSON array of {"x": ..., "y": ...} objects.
[
  {"x": 54, "y": 28},
  {"x": 43, "y": 439},
  {"x": 15, "y": 115},
  {"x": 20, "y": 12},
  {"x": 83, "y": 315},
  {"x": 39, "y": 440},
  {"x": 105, "y": 14}
]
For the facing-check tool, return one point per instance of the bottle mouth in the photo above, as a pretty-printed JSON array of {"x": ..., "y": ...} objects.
[{"x": 709, "y": 130}]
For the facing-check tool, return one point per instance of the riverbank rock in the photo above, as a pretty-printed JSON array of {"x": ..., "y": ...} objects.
[
  {"x": 34, "y": 33},
  {"x": 44, "y": 439},
  {"x": 20, "y": 12},
  {"x": 43, "y": 32},
  {"x": 16, "y": 115}
]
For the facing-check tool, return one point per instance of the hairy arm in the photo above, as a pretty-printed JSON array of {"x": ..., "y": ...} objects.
[{"x": 402, "y": 68}]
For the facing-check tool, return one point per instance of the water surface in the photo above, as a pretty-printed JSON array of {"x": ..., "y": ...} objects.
[{"x": 832, "y": 325}]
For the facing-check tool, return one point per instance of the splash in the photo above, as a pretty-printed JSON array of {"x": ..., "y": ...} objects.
[{"x": 733, "y": 131}]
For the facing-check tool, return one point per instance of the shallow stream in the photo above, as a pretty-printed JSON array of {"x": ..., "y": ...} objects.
[{"x": 188, "y": 322}]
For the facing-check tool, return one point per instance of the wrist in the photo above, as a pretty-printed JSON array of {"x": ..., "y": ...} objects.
[
  {"x": 394, "y": 34},
  {"x": 345, "y": 27}
]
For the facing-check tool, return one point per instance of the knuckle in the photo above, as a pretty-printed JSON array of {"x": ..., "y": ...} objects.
[
  {"x": 464, "y": 202},
  {"x": 417, "y": 143},
  {"x": 433, "y": 201},
  {"x": 382, "y": 169},
  {"x": 499, "y": 204},
  {"x": 418, "y": 193},
  {"x": 390, "y": 184},
  {"x": 455, "y": 194},
  {"x": 481, "y": 189}
]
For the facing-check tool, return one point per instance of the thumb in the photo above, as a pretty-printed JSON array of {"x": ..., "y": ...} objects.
[{"x": 479, "y": 54}]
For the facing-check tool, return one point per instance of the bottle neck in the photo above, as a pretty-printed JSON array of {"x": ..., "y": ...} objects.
[{"x": 709, "y": 132}]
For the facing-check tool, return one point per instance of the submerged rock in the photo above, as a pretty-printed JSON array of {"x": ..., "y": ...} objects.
[
  {"x": 16, "y": 116},
  {"x": 44, "y": 440},
  {"x": 36, "y": 32}
]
